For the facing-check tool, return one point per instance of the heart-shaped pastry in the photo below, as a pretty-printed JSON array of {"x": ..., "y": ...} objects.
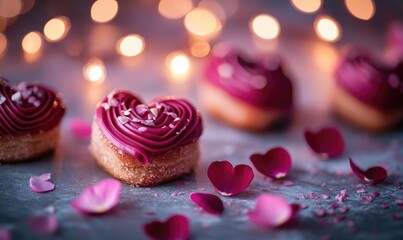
[
  {"x": 29, "y": 118},
  {"x": 146, "y": 133}
]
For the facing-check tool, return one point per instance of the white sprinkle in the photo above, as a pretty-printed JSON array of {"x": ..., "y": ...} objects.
[
  {"x": 135, "y": 119},
  {"x": 106, "y": 106},
  {"x": 2, "y": 99},
  {"x": 141, "y": 108},
  {"x": 26, "y": 93},
  {"x": 31, "y": 99},
  {"x": 148, "y": 122},
  {"x": 142, "y": 129},
  {"x": 37, "y": 103},
  {"x": 171, "y": 125},
  {"x": 258, "y": 82},
  {"x": 113, "y": 102},
  {"x": 225, "y": 70},
  {"x": 154, "y": 111},
  {"x": 16, "y": 97},
  {"x": 188, "y": 119},
  {"x": 127, "y": 112},
  {"x": 176, "y": 119},
  {"x": 123, "y": 119},
  {"x": 172, "y": 114}
]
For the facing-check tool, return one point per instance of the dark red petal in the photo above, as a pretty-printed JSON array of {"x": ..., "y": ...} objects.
[
  {"x": 373, "y": 175},
  {"x": 228, "y": 180},
  {"x": 209, "y": 202},
  {"x": 175, "y": 227},
  {"x": 276, "y": 163},
  {"x": 327, "y": 141}
]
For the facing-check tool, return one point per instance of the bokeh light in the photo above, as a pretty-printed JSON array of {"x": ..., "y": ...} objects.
[
  {"x": 56, "y": 29},
  {"x": 327, "y": 28},
  {"x": 32, "y": 43},
  {"x": 265, "y": 26},
  {"x": 214, "y": 7},
  {"x": 307, "y": 6},
  {"x": 10, "y": 8},
  {"x": 3, "y": 44},
  {"x": 130, "y": 45},
  {"x": 27, "y": 5},
  {"x": 104, "y": 10},
  {"x": 202, "y": 23},
  {"x": 3, "y": 24},
  {"x": 94, "y": 71},
  {"x": 174, "y": 9},
  {"x": 200, "y": 49},
  {"x": 178, "y": 65},
  {"x": 361, "y": 9}
]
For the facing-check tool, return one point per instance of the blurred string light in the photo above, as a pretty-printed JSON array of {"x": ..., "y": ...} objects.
[
  {"x": 307, "y": 6},
  {"x": 56, "y": 29},
  {"x": 202, "y": 23},
  {"x": 104, "y": 10},
  {"x": 94, "y": 71},
  {"x": 3, "y": 44},
  {"x": 178, "y": 65},
  {"x": 174, "y": 9},
  {"x": 327, "y": 28},
  {"x": 361, "y": 9},
  {"x": 200, "y": 49},
  {"x": 10, "y": 8},
  {"x": 265, "y": 26},
  {"x": 32, "y": 43},
  {"x": 130, "y": 45}
]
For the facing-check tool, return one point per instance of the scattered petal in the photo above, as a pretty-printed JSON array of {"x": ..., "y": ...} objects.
[
  {"x": 373, "y": 175},
  {"x": 208, "y": 202},
  {"x": 272, "y": 211},
  {"x": 41, "y": 183},
  {"x": 288, "y": 183},
  {"x": 362, "y": 190},
  {"x": 375, "y": 194},
  {"x": 80, "y": 128},
  {"x": 276, "y": 163},
  {"x": 99, "y": 198},
  {"x": 319, "y": 213},
  {"x": 44, "y": 224},
  {"x": 5, "y": 234},
  {"x": 229, "y": 180},
  {"x": 174, "y": 228},
  {"x": 366, "y": 199},
  {"x": 325, "y": 196},
  {"x": 327, "y": 142},
  {"x": 341, "y": 196}
]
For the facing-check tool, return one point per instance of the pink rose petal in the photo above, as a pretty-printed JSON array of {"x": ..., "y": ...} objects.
[
  {"x": 208, "y": 202},
  {"x": 176, "y": 227},
  {"x": 44, "y": 224},
  {"x": 80, "y": 128},
  {"x": 272, "y": 211},
  {"x": 99, "y": 198},
  {"x": 372, "y": 175},
  {"x": 327, "y": 142},
  {"x": 276, "y": 163},
  {"x": 41, "y": 183},
  {"x": 4, "y": 234},
  {"x": 228, "y": 180}
]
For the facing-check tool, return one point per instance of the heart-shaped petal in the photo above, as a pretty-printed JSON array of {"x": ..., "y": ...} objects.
[
  {"x": 41, "y": 183},
  {"x": 208, "y": 202},
  {"x": 143, "y": 131},
  {"x": 327, "y": 142},
  {"x": 229, "y": 180},
  {"x": 272, "y": 211},
  {"x": 176, "y": 227},
  {"x": 373, "y": 175},
  {"x": 100, "y": 198},
  {"x": 44, "y": 224},
  {"x": 276, "y": 163},
  {"x": 80, "y": 128},
  {"x": 4, "y": 234}
]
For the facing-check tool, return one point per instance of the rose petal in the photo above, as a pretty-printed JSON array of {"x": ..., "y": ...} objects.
[
  {"x": 272, "y": 211},
  {"x": 44, "y": 224},
  {"x": 4, "y": 234},
  {"x": 276, "y": 163},
  {"x": 41, "y": 184},
  {"x": 80, "y": 128},
  {"x": 327, "y": 142},
  {"x": 99, "y": 198},
  {"x": 372, "y": 175},
  {"x": 208, "y": 202},
  {"x": 228, "y": 180},
  {"x": 174, "y": 228}
]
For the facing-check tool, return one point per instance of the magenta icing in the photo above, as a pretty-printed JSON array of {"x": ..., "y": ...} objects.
[
  {"x": 260, "y": 82},
  {"x": 378, "y": 86},
  {"x": 143, "y": 131},
  {"x": 28, "y": 108}
]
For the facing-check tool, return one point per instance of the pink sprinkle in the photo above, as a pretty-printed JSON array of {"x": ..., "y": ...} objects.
[
  {"x": 323, "y": 185},
  {"x": 313, "y": 195},
  {"x": 288, "y": 183},
  {"x": 397, "y": 216},
  {"x": 304, "y": 206},
  {"x": 80, "y": 128},
  {"x": 156, "y": 195},
  {"x": 341, "y": 196},
  {"x": 325, "y": 196},
  {"x": 319, "y": 213},
  {"x": 344, "y": 191},
  {"x": 385, "y": 205},
  {"x": 173, "y": 194},
  {"x": 375, "y": 194},
  {"x": 366, "y": 199},
  {"x": 334, "y": 205},
  {"x": 362, "y": 190}
]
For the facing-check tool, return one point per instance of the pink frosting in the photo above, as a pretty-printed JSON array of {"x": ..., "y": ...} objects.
[
  {"x": 376, "y": 85},
  {"x": 143, "y": 131},
  {"x": 28, "y": 108},
  {"x": 259, "y": 82}
]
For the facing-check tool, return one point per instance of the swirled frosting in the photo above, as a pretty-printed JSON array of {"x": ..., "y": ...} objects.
[
  {"x": 378, "y": 86},
  {"x": 260, "y": 82},
  {"x": 143, "y": 131},
  {"x": 28, "y": 108}
]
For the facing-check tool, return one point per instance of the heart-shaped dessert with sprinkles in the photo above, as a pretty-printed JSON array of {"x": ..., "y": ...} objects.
[
  {"x": 145, "y": 144},
  {"x": 30, "y": 115}
]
